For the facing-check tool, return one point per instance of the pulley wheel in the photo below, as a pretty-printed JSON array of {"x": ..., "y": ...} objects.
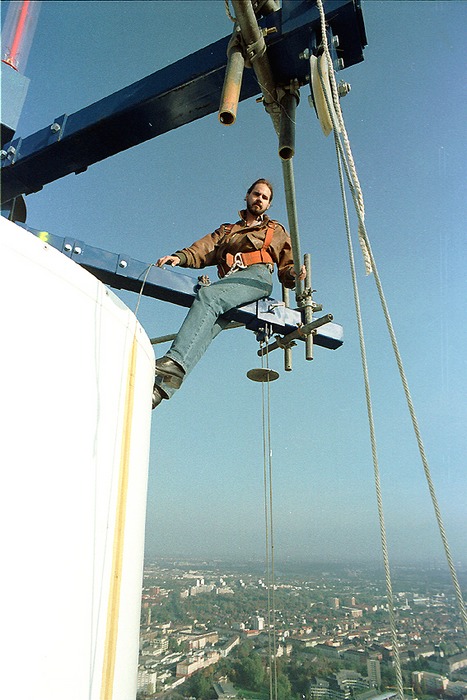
[{"x": 261, "y": 374}]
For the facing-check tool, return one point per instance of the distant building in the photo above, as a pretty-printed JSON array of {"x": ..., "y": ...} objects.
[
  {"x": 192, "y": 664},
  {"x": 201, "y": 588},
  {"x": 157, "y": 646},
  {"x": 199, "y": 641},
  {"x": 351, "y": 683},
  {"x": 456, "y": 690},
  {"x": 342, "y": 685},
  {"x": 321, "y": 690},
  {"x": 374, "y": 673},
  {"x": 457, "y": 661},
  {"x": 257, "y": 623},
  {"x": 427, "y": 683},
  {"x": 227, "y": 647},
  {"x": 418, "y": 652},
  {"x": 147, "y": 680},
  {"x": 225, "y": 590},
  {"x": 224, "y": 689}
]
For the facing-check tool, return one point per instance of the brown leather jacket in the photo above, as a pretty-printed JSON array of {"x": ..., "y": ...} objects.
[{"x": 212, "y": 248}]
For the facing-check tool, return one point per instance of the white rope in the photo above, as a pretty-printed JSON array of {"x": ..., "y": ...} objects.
[
  {"x": 228, "y": 13},
  {"x": 351, "y": 163},
  {"x": 379, "y": 499},
  {"x": 355, "y": 189}
]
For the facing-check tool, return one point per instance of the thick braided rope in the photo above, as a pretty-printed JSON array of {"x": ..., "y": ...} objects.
[
  {"x": 371, "y": 423},
  {"x": 420, "y": 444},
  {"x": 228, "y": 13},
  {"x": 343, "y": 131},
  {"x": 363, "y": 236},
  {"x": 414, "y": 419}
]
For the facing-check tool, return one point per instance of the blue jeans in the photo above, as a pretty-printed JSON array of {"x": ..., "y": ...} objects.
[{"x": 203, "y": 323}]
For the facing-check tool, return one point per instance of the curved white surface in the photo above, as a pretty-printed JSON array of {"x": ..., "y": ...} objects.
[{"x": 77, "y": 374}]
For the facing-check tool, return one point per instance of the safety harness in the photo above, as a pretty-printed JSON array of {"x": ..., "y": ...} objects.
[{"x": 242, "y": 260}]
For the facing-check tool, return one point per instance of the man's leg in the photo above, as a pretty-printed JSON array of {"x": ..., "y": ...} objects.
[{"x": 201, "y": 324}]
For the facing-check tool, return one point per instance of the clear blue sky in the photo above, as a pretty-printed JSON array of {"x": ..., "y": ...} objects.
[{"x": 406, "y": 117}]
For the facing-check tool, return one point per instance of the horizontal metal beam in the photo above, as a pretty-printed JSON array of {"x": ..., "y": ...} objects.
[
  {"x": 175, "y": 95},
  {"x": 120, "y": 271}
]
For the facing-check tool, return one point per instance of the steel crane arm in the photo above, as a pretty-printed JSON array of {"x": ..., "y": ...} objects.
[
  {"x": 120, "y": 271},
  {"x": 175, "y": 95}
]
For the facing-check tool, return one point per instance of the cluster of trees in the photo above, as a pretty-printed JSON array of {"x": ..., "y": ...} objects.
[
  {"x": 227, "y": 609},
  {"x": 249, "y": 671}
]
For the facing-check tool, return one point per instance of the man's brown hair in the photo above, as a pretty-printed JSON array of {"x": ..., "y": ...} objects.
[{"x": 264, "y": 182}]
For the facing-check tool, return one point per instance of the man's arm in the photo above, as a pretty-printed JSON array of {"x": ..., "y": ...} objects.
[
  {"x": 282, "y": 248},
  {"x": 199, "y": 254}
]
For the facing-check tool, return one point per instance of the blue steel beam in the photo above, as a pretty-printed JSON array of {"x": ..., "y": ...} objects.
[
  {"x": 120, "y": 271},
  {"x": 178, "y": 94}
]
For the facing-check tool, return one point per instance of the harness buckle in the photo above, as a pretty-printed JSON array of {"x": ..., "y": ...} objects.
[{"x": 237, "y": 264}]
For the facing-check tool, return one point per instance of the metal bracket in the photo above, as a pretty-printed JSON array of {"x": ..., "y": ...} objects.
[
  {"x": 57, "y": 129},
  {"x": 301, "y": 332}
]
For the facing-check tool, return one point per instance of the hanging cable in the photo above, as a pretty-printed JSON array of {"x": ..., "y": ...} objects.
[
  {"x": 269, "y": 524},
  {"x": 384, "y": 547},
  {"x": 140, "y": 294},
  {"x": 355, "y": 190},
  {"x": 358, "y": 199},
  {"x": 418, "y": 436},
  {"x": 266, "y": 526}
]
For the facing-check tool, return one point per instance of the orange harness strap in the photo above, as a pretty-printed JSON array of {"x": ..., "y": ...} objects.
[{"x": 255, "y": 256}]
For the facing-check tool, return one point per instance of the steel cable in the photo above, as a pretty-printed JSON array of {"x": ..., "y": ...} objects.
[
  {"x": 355, "y": 190},
  {"x": 269, "y": 524}
]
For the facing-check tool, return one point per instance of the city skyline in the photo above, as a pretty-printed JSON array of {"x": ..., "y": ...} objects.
[{"x": 330, "y": 625}]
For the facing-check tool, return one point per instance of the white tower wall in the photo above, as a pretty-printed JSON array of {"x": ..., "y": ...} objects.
[{"x": 77, "y": 372}]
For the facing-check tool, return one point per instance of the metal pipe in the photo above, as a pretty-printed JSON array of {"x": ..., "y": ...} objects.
[
  {"x": 287, "y": 351},
  {"x": 290, "y": 200},
  {"x": 284, "y": 126},
  {"x": 163, "y": 339},
  {"x": 287, "y": 126},
  {"x": 256, "y": 54},
  {"x": 172, "y": 336},
  {"x": 232, "y": 86}
]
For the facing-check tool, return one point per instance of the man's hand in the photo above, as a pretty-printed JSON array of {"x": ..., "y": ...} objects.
[
  {"x": 172, "y": 260},
  {"x": 302, "y": 274}
]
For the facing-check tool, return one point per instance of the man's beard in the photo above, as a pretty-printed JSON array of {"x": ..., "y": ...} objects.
[{"x": 253, "y": 211}]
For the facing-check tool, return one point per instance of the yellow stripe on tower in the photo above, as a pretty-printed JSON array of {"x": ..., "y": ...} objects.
[{"x": 110, "y": 649}]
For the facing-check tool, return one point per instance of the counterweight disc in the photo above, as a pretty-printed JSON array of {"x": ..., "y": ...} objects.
[{"x": 262, "y": 375}]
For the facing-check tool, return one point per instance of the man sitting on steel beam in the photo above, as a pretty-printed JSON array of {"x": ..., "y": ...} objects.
[{"x": 245, "y": 254}]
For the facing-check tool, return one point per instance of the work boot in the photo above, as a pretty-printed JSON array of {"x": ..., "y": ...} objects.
[
  {"x": 171, "y": 372},
  {"x": 157, "y": 396}
]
